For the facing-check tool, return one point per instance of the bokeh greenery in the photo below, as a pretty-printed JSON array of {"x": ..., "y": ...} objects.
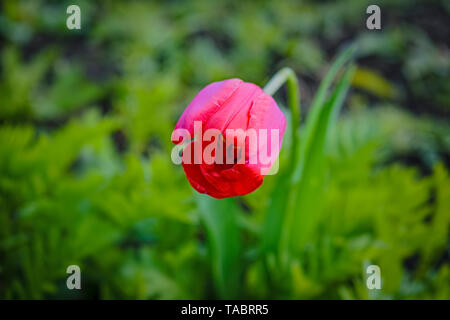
[{"x": 86, "y": 176}]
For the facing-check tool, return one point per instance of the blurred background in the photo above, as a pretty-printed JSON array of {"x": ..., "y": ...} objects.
[{"x": 85, "y": 171}]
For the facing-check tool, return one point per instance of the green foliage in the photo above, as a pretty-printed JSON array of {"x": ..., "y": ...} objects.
[{"x": 86, "y": 176}]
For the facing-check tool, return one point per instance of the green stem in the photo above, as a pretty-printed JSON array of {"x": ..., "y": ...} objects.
[{"x": 287, "y": 75}]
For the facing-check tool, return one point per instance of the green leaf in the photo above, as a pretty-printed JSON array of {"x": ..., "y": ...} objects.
[
  {"x": 309, "y": 188},
  {"x": 317, "y": 105},
  {"x": 373, "y": 82},
  {"x": 277, "y": 221},
  {"x": 219, "y": 218}
]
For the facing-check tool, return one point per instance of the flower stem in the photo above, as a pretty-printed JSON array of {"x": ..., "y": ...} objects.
[{"x": 287, "y": 75}]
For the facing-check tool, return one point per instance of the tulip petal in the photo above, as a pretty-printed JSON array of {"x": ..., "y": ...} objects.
[
  {"x": 206, "y": 103},
  {"x": 242, "y": 107}
]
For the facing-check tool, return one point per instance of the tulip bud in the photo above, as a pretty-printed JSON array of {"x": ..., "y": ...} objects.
[{"x": 232, "y": 133}]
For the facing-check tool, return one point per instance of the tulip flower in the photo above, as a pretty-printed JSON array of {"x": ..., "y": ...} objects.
[{"x": 232, "y": 133}]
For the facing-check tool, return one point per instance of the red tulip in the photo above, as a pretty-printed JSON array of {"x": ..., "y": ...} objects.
[{"x": 237, "y": 129}]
